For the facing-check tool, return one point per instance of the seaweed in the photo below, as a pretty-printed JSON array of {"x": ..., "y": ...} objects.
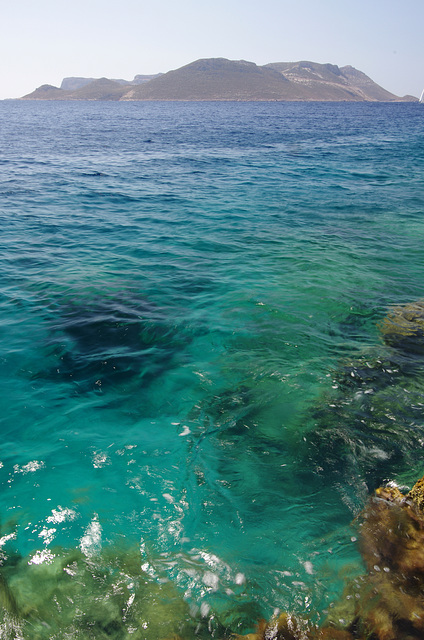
[{"x": 65, "y": 594}]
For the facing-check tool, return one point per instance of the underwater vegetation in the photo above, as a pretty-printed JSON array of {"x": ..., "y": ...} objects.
[
  {"x": 369, "y": 428},
  {"x": 60, "y": 594}
]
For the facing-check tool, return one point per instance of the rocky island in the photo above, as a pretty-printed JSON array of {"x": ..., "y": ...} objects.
[{"x": 229, "y": 80}]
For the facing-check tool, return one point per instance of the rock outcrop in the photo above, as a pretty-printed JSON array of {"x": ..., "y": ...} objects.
[{"x": 403, "y": 327}]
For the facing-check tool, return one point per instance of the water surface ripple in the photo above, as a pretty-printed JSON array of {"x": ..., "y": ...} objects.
[{"x": 187, "y": 292}]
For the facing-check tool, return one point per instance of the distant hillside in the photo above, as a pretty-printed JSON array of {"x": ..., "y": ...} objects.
[
  {"x": 102, "y": 89},
  {"x": 72, "y": 83},
  {"x": 222, "y": 79},
  {"x": 218, "y": 79}
]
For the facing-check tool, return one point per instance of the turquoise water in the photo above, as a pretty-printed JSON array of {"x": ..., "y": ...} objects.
[{"x": 191, "y": 359}]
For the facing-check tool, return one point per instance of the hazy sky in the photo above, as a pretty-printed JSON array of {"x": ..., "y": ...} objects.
[{"x": 42, "y": 41}]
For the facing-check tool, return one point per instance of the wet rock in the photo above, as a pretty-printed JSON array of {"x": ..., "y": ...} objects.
[
  {"x": 287, "y": 627},
  {"x": 387, "y": 603},
  {"x": 417, "y": 494},
  {"x": 391, "y": 606},
  {"x": 281, "y": 627}
]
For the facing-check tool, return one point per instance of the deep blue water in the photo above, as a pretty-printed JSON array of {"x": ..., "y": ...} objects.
[{"x": 189, "y": 292}]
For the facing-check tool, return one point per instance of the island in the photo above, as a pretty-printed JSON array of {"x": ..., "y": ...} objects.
[{"x": 219, "y": 79}]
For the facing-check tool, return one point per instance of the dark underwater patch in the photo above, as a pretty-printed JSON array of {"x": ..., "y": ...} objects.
[{"x": 104, "y": 341}]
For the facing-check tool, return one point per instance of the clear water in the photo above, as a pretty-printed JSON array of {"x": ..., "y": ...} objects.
[{"x": 189, "y": 293}]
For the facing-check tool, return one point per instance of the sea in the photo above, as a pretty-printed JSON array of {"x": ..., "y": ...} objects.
[{"x": 197, "y": 398}]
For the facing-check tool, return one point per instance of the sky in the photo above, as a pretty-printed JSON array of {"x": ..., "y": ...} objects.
[{"x": 43, "y": 41}]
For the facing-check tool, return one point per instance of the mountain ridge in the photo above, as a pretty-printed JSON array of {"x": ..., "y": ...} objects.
[{"x": 220, "y": 79}]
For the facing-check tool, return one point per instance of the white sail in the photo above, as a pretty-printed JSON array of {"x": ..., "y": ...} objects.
[{"x": 422, "y": 96}]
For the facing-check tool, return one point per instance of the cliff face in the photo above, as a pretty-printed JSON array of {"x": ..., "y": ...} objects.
[
  {"x": 222, "y": 79},
  {"x": 329, "y": 82}
]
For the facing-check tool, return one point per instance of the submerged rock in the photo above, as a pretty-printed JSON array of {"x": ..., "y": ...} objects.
[
  {"x": 369, "y": 424},
  {"x": 403, "y": 327}
]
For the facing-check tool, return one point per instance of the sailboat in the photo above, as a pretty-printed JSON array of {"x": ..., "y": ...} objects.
[{"x": 422, "y": 96}]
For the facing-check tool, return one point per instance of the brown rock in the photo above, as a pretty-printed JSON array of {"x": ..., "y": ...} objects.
[{"x": 403, "y": 327}]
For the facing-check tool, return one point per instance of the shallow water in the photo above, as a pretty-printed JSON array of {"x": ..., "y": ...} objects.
[{"x": 189, "y": 293}]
